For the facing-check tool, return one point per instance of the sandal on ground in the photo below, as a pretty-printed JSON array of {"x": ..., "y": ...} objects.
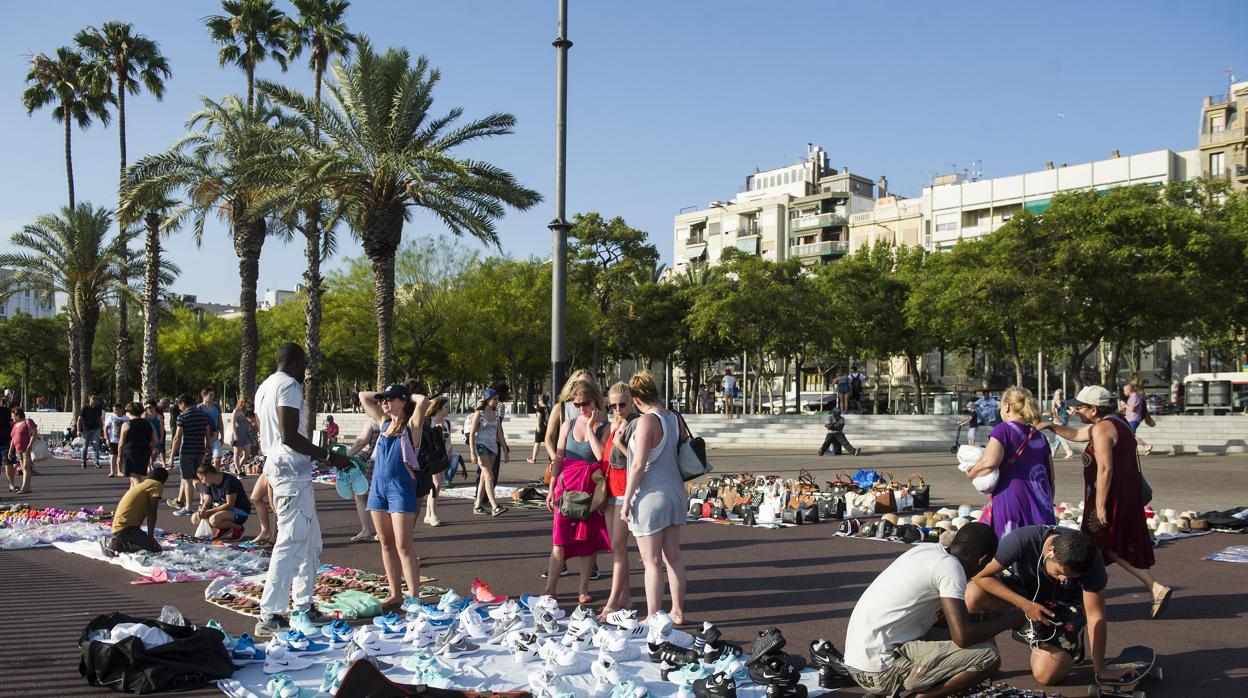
[
  {"x": 1160, "y": 603},
  {"x": 361, "y": 536}
]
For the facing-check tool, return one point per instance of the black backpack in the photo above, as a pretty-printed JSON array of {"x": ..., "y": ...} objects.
[
  {"x": 196, "y": 657},
  {"x": 432, "y": 454}
]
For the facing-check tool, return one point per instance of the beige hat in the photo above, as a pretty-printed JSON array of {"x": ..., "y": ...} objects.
[{"x": 1095, "y": 396}]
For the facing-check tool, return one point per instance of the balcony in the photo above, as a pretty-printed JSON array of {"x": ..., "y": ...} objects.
[
  {"x": 1230, "y": 135},
  {"x": 746, "y": 231},
  {"x": 819, "y": 249},
  {"x": 1215, "y": 100},
  {"x": 821, "y": 220}
]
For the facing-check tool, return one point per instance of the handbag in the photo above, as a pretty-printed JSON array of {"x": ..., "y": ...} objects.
[
  {"x": 859, "y": 505},
  {"x": 806, "y": 482},
  {"x": 841, "y": 485},
  {"x": 885, "y": 499},
  {"x": 791, "y": 516},
  {"x": 808, "y": 514},
  {"x": 690, "y": 453},
  {"x": 922, "y": 493},
  {"x": 574, "y": 504},
  {"x": 832, "y": 507}
]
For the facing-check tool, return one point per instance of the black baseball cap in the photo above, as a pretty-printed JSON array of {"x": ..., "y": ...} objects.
[{"x": 394, "y": 391}]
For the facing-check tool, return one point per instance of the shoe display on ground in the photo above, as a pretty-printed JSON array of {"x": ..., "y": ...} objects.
[
  {"x": 660, "y": 629},
  {"x": 421, "y": 633},
  {"x": 796, "y": 690},
  {"x": 296, "y": 642},
  {"x": 718, "y": 685},
  {"x": 708, "y": 635},
  {"x": 545, "y": 684},
  {"x": 472, "y": 624},
  {"x": 481, "y": 593},
  {"x": 581, "y": 613},
  {"x": 770, "y": 641},
  {"x": 505, "y": 610},
  {"x": 615, "y": 643},
  {"x": 578, "y": 640},
  {"x": 777, "y": 669},
  {"x": 451, "y": 602},
  {"x": 268, "y": 627},
  {"x": 832, "y": 670},
  {"x": 245, "y": 651},
  {"x": 630, "y": 689},
  {"x": 429, "y": 670},
  {"x": 299, "y": 621},
  {"x": 503, "y": 628},
  {"x": 564, "y": 661},
  {"x": 390, "y": 625},
  {"x": 278, "y": 661},
  {"x": 431, "y": 613},
  {"x": 673, "y": 656},
  {"x": 453, "y": 644},
  {"x": 331, "y": 679},
  {"x": 688, "y": 674},
  {"x": 372, "y": 643},
  {"x": 606, "y": 672},
  {"x": 625, "y": 618},
  {"x": 523, "y": 647},
  {"x": 338, "y": 633},
  {"x": 547, "y": 602},
  {"x": 718, "y": 650},
  {"x": 545, "y": 622},
  {"x": 282, "y": 686}
]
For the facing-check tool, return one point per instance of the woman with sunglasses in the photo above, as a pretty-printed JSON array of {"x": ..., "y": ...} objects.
[
  {"x": 487, "y": 444},
  {"x": 578, "y": 466},
  {"x": 623, "y": 422},
  {"x": 392, "y": 499}
]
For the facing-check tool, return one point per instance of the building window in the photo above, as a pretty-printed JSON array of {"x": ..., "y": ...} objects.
[
  {"x": 1216, "y": 164},
  {"x": 1217, "y": 123},
  {"x": 1005, "y": 217}
]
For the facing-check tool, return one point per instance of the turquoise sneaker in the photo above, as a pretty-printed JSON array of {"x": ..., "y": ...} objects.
[{"x": 299, "y": 621}]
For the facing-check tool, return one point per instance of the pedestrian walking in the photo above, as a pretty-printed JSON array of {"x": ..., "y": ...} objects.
[
  {"x": 1020, "y": 455},
  {"x": 1113, "y": 489},
  {"x": 487, "y": 443},
  {"x": 623, "y": 415},
  {"x": 112, "y": 431},
  {"x": 729, "y": 390},
  {"x": 190, "y": 442},
  {"x": 208, "y": 405},
  {"x": 21, "y": 438},
  {"x": 136, "y": 444},
  {"x": 655, "y": 504},
  {"x": 89, "y": 424},
  {"x": 835, "y": 438},
  {"x": 1132, "y": 407},
  {"x": 1059, "y": 414},
  {"x": 291, "y": 579},
  {"x": 244, "y": 439},
  {"x": 393, "y": 499},
  {"x": 539, "y": 434}
]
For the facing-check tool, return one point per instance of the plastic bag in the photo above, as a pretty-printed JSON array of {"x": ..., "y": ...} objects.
[
  {"x": 204, "y": 530},
  {"x": 968, "y": 456}
]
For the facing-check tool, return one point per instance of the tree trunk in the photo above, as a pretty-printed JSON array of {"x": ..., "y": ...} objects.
[
  {"x": 1015, "y": 357},
  {"x": 121, "y": 125},
  {"x": 251, "y": 87},
  {"x": 151, "y": 305},
  {"x": 75, "y": 383},
  {"x": 69, "y": 157},
  {"x": 90, "y": 318},
  {"x": 121, "y": 362},
  {"x": 1115, "y": 353},
  {"x": 248, "y": 240},
  {"x": 383, "y": 305},
  {"x": 1077, "y": 357},
  {"x": 312, "y": 317}
]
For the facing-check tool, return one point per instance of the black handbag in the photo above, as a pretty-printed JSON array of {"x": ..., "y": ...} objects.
[
  {"x": 808, "y": 514},
  {"x": 195, "y": 658},
  {"x": 831, "y": 507},
  {"x": 749, "y": 517},
  {"x": 789, "y": 515},
  {"x": 921, "y": 492}
]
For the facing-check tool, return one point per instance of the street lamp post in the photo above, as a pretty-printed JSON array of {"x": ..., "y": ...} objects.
[{"x": 559, "y": 226}]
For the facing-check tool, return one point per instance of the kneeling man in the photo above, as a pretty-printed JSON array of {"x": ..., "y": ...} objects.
[
  {"x": 892, "y": 647},
  {"x": 225, "y": 503},
  {"x": 1057, "y": 578},
  {"x": 138, "y": 506}
]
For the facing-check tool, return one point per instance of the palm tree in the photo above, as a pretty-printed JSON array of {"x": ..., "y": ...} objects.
[
  {"x": 215, "y": 165},
  {"x": 65, "y": 82},
  {"x": 125, "y": 62},
  {"x": 319, "y": 27},
  {"x": 71, "y": 254},
  {"x": 154, "y": 213},
  {"x": 250, "y": 32},
  {"x": 385, "y": 154}
]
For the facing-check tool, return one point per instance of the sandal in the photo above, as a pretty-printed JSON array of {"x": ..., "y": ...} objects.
[{"x": 1160, "y": 603}]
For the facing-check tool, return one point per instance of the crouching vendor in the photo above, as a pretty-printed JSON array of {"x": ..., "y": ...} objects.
[{"x": 137, "y": 506}]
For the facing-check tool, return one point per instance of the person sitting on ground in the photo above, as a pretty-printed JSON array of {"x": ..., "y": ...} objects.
[
  {"x": 1057, "y": 579},
  {"x": 137, "y": 506},
  {"x": 224, "y": 503},
  {"x": 892, "y": 648}
]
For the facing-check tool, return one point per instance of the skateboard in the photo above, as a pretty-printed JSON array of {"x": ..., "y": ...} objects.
[{"x": 1141, "y": 660}]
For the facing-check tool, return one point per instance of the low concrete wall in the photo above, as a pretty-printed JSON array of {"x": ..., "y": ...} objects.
[{"x": 1173, "y": 433}]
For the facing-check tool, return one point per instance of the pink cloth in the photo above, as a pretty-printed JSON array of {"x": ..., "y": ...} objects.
[{"x": 579, "y": 538}]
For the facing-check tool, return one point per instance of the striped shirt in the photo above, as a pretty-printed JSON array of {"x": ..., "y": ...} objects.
[{"x": 194, "y": 425}]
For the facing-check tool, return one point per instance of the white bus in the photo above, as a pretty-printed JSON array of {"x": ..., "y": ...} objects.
[{"x": 1220, "y": 392}]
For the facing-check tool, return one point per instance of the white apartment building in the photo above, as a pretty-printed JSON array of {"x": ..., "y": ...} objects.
[
  {"x": 800, "y": 210},
  {"x": 895, "y": 220},
  {"x": 955, "y": 208},
  {"x": 27, "y": 301}
]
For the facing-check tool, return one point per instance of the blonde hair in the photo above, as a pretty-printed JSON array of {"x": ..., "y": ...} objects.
[
  {"x": 1022, "y": 403},
  {"x": 642, "y": 386},
  {"x": 589, "y": 389},
  {"x": 565, "y": 395},
  {"x": 620, "y": 387}
]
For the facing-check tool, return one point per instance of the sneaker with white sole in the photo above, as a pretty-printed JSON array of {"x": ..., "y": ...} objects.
[
  {"x": 578, "y": 640},
  {"x": 331, "y": 678},
  {"x": 279, "y": 661},
  {"x": 505, "y": 610},
  {"x": 421, "y": 633},
  {"x": 299, "y": 621},
  {"x": 732, "y": 666},
  {"x": 523, "y": 647},
  {"x": 245, "y": 651},
  {"x": 565, "y": 661},
  {"x": 390, "y": 624},
  {"x": 688, "y": 674},
  {"x": 433, "y": 521},
  {"x": 453, "y": 644},
  {"x": 503, "y": 628},
  {"x": 338, "y": 633},
  {"x": 630, "y": 689},
  {"x": 545, "y": 622},
  {"x": 373, "y": 643},
  {"x": 472, "y": 624},
  {"x": 545, "y": 684},
  {"x": 625, "y": 618},
  {"x": 581, "y": 613},
  {"x": 451, "y": 602},
  {"x": 183, "y": 512},
  {"x": 716, "y": 686},
  {"x": 282, "y": 686},
  {"x": 606, "y": 672},
  {"x": 616, "y": 645},
  {"x": 296, "y": 642},
  {"x": 545, "y": 601},
  {"x": 660, "y": 629}
]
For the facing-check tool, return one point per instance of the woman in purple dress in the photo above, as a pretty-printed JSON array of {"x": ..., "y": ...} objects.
[{"x": 1024, "y": 492}]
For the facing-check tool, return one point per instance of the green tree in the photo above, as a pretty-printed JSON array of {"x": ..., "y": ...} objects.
[
  {"x": 125, "y": 62},
  {"x": 155, "y": 211},
  {"x": 71, "y": 253},
  {"x": 249, "y": 32},
  {"x": 384, "y": 154},
  {"x": 221, "y": 166},
  {"x": 35, "y": 345}
]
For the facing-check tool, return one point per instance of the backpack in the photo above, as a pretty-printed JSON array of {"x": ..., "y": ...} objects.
[
  {"x": 195, "y": 658},
  {"x": 432, "y": 454},
  {"x": 855, "y": 384}
]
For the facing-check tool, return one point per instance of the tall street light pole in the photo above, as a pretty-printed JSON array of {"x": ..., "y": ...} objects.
[{"x": 559, "y": 226}]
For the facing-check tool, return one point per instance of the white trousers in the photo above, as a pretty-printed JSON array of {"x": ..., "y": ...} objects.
[{"x": 296, "y": 554}]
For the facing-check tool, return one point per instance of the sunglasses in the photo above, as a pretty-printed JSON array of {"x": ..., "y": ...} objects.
[
  {"x": 587, "y": 403},
  {"x": 619, "y": 405}
]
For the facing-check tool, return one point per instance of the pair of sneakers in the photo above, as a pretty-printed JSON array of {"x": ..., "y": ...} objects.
[{"x": 496, "y": 511}]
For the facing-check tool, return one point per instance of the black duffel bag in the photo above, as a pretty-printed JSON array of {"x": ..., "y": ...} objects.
[{"x": 196, "y": 657}]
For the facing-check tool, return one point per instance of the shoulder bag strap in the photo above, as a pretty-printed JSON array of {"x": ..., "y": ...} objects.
[
  {"x": 681, "y": 418},
  {"x": 1021, "y": 446}
]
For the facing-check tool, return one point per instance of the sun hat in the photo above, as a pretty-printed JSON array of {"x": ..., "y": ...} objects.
[
  {"x": 394, "y": 391},
  {"x": 1095, "y": 396},
  {"x": 489, "y": 393}
]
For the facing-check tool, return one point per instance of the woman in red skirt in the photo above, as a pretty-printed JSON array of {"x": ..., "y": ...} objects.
[{"x": 1113, "y": 511}]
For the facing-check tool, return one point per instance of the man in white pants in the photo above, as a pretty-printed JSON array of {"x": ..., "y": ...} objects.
[{"x": 288, "y": 465}]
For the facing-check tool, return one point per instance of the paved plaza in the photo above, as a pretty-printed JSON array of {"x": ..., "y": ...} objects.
[{"x": 803, "y": 580}]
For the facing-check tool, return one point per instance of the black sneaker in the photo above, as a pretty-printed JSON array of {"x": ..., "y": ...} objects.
[
  {"x": 720, "y": 685},
  {"x": 795, "y": 690},
  {"x": 672, "y": 655},
  {"x": 562, "y": 573},
  {"x": 832, "y": 670},
  {"x": 769, "y": 642},
  {"x": 708, "y": 636},
  {"x": 593, "y": 574},
  {"x": 715, "y": 651},
  {"x": 777, "y": 669}
]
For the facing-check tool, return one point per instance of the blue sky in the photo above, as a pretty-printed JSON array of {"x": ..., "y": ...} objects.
[{"x": 672, "y": 104}]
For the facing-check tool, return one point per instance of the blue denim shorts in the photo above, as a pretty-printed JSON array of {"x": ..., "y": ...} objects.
[{"x": 396, "y": 495}]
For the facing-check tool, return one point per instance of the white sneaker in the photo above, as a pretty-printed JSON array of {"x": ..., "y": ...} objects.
[
  {"x": 616, "y": 645},
  {"x": 544, "y": 602},
  {"x": 453, "y": 644},
  {"x": 373, "y": 644},
  {"x": 623, "y": 618},
  {"x": 545, "y": 684},
  {"x": 606, "y": 671},
  {"x": 472, "y": 624},
  {"x": 503, "y": 628},
  {"x": 585, "y": 623},
  {"x": 660, "y": 630},
  {"x": 279, "y": 661},
  {"x": 523, "y": 647},
  {"x": 578, "y": 641},
  {"x": 433, "y": 521},
  {"x": 565, "y": 661},
  {"x": 505, "y": 610},
  {"x": 420, "y": 633},
  {"x": 545, "y": 622}
]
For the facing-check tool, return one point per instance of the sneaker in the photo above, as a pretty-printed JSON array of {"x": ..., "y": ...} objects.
[
  {"x": 278, "y": 660},
  {"x": 715, "y": 686},
  {"x": 390, "y": 624},
  {"x": 183, "y": 512},
  {"x": 770, "y": 641},
  {"x": 219, "y": 533},
  {"x": 606, "y": 672},
  {"x": 732, "y": 666},
  {"x": 299, "y": 621},
  {"x": 795, "y": 690},
  {"x": 586, "y": 622},
  {"x": 776, "y": 670},
  {"x": 546, "y": 622},
  {"x": 832, "y": 670},
  {"x": 715, "y": 651},
  {"x": 523, "y": 647},
  {"x": 562, "y": 573},
  {"x": 331, "y": 678},
  {"x": 226, "y": 639},
  {"x": 480, "y": 510},
  {"x": 673, "y": 656},
  {"x": 688, "y": 674},
  {"x": 245, "y": 651},
  {"x": 451, "y": 602},
  {"x": 173, "y": 503},
  {"x": 594, "y": 574},
  {"x": 545, "y": 684},
  {"x": 578, "y": 640},
  {"x": 429, "y": 670},
  {"x": 236, "y": 533},
  {"x": 282, "y": 686},
  {"x": 534, "y": 603},
  {"x": 268, "y": 627},
  {"x": 421, "y": 633},
  {"x": 505, "y": 627},
  {"x": 505, "y": 610},
  {"x": 579, "y": 614},
  {"x": 708, "y": 635},
  {"x": 433, "y": 520},
  {"x": 614, "y": 643},
  {"x": 625, "y": 618},
  {"x": 482, "y": 594},
  {"x": 338, "y": 633},
  {"x": 452, "y": 643},
  {"x": 499, "y": 511},
  {"x": 472, "y": 624},
  {"x": 371, "y": 642},
  {"x": 630, "y": 689},
  {"x": 296, "y": 642},
  {"x": 564, "y": 661}
]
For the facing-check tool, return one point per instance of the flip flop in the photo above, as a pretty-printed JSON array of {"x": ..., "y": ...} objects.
[{"x": 1161, "y": 604}]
